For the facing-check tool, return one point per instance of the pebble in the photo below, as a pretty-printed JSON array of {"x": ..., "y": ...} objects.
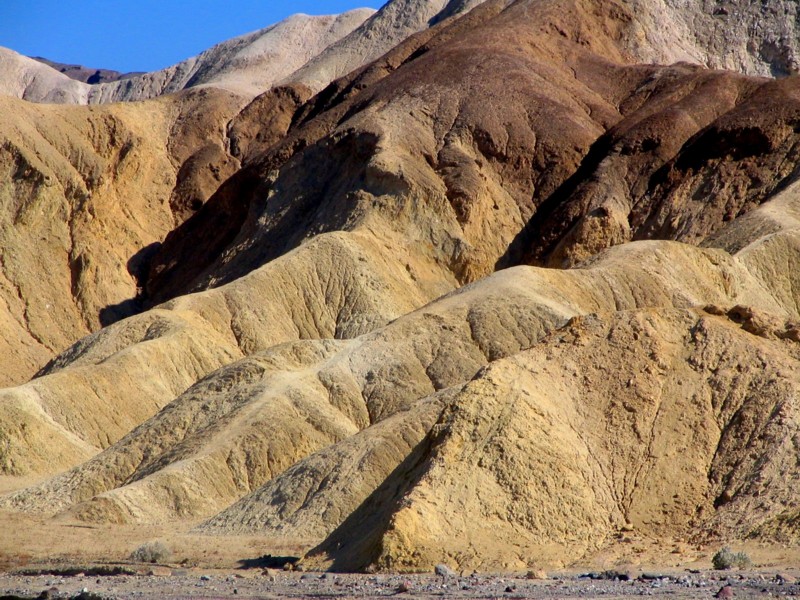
[{"x": 783, "y": 578}]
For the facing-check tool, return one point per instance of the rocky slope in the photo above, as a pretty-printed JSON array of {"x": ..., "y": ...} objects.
[
  {"x": 737, "y": 35},
  {"x": 118, "y": 179},
  {"x": 391, "y": 25},
  {"x": 303, "y": 50},
  {"x": 354, "y": 341},
  {"x": 85, "y": 195},
  {"x": 250, "y": 409}
]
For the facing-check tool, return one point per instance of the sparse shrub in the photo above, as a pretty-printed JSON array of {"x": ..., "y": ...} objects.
[
  {"x": 11, "y": 562},
  {"x": 727, "y": 559},
  {"x": 151, "y": 552}
]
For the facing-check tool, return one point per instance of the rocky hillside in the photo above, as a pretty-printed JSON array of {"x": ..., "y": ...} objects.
[
  {"x": 23, "y": 77},
  {"x": 86, "y": 195},
  {"x": 469, "y": 303}
]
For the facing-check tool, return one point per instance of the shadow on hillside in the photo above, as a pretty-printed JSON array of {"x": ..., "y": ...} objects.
[
  {"x": 138, "y": 266},
  {"x": 356, "y": 543},
  {"x": 527, "y": 244}
]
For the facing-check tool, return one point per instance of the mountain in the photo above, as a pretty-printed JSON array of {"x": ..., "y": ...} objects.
[
  {"x": 518, "y": 286},
  {"x": 247, "y": 65},
  {"x": 305, "y": 50},
  {"x": 391, "y": 25},
  {"x": 85, "y": 74},
  {"x": 23, "y": 77}
]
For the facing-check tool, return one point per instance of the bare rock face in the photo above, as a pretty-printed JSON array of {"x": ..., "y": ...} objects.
[
  {"x": 710, "y": 33},
  {"x": 350, "y": 385},
  {"x": 638, "y": 149},
  {"x": 28, "y": 79},
  {"x": 680, "y": 167},
  {"x": 555, "y": 427},
  {"x": 314, "y": 51},
  {"x": 391, "y": 25}
]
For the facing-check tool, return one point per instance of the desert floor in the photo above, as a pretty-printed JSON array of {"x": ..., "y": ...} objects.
[
  {"x": 194, "y": 583},
  {"x": 67, "y": 559}
]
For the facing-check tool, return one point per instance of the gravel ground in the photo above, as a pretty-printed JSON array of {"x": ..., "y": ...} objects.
[{"x": 183, "y": 584}]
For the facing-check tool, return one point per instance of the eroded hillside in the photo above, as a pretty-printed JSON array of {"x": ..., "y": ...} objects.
[{"x": 468, "y": 304}]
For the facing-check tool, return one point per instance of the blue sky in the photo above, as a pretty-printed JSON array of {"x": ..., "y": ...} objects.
[{"x": 142, "y": 35}]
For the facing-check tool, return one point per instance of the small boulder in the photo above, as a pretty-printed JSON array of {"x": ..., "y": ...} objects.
[
  {"x": 536, "y": 574},
  {"x": 725, "y": 591},
  {"x": 714, "y": 309},
  {"x": 444, "y": 571}
]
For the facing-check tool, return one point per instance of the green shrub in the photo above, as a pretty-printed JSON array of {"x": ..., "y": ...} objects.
[
  {"x": 151, "y": 552},
  {"x": 727, "y": 559}
]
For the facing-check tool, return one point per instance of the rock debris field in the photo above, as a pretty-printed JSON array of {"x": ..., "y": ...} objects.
[{"x": 185, "y": 584}]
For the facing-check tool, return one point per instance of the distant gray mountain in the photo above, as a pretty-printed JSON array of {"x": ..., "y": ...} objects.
[{"x": 86, "y": 74}]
